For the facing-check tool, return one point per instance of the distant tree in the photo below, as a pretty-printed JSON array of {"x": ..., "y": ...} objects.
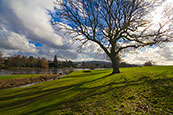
[
  {"x": 70, "y": 64},
  {"x": 31, "y": 61},
  {"x": 24, "y": 60},
  {"x": 60, "y": 64},
  {"x": 17, "y": 61},
  {"x": 38, "y": 63},
  {"x": 14, "y": 61},
  {"x": 44, "y": 63},
  {"x": 148, "y": 63},
  {"x": 50, "y": 64},
  {"x": 1, "y": 54},
  {"x": 115, "y": 25},
  {"x": 55, "y": 62},
  {"x": 65, "y": 63},
  {"x": 1, "y": 60},
  {"x": 92, "y": 66},
  {"x": 83, "y": 65}
]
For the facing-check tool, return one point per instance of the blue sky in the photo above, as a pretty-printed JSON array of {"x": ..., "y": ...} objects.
[
  {"x": 26, "y": 29},
  {"x": 36, "y": 44}
]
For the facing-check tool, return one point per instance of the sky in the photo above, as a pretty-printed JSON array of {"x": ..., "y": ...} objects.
[{"x": 25, "y": 29}]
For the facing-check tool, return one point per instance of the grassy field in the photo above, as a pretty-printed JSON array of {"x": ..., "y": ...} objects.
[{"x": 137, "y": 90}]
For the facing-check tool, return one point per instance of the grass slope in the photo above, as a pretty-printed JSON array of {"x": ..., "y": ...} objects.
[{"x": 137, "y": 90}]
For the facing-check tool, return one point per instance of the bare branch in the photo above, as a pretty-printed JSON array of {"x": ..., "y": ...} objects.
[{"x": 107, "y": 22}]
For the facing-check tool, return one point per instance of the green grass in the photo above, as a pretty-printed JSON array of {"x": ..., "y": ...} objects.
[
  {"x": 137, "y": 90},
  {"x": 18, "y": 76}
]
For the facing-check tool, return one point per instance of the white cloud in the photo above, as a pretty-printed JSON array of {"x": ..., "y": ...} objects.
[
  {"x": 12, "y": 40},
  {"x": 35, "y": 18},
  {"x": 159, "y": 13},
  {"x": 159, "y": 55},
  {"x": 20, "y": 42}
]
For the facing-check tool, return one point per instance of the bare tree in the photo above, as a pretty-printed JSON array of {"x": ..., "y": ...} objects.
[
  {"x": 1, "y": 54},
  {"x": 1, "y": 59},
  {"x": 114, "y": 25}
]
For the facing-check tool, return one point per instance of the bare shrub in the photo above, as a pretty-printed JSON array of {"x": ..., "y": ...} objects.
[{"x": 148, "y": 63}]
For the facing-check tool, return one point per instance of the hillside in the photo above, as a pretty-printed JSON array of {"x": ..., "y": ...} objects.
[
  {"x": 102, "y": 64},
  {"x": 137, "y": 90}
]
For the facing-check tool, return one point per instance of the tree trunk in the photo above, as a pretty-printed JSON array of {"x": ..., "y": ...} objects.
[{"x": 115, "y": 64}]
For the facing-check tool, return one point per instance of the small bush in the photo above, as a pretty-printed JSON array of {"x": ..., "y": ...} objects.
[{"x": 148, "y": 63}]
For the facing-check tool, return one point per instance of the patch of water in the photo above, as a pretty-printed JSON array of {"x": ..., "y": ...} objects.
[
  {"x": 32, "y": 71},
  {"x": 27, "y": 85}
]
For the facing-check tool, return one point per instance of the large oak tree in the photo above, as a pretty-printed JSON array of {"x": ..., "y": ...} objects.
[{"x": 114, "y": 25}]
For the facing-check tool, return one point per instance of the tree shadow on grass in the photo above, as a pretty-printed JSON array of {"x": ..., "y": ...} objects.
[
  {"x": 85, "y": 92},
  {"x": 72, "y": 103},
  {"x": 43, "y": 93},
  {"x": 52, "y": 89},
  {"x": 87, "y": 74}
]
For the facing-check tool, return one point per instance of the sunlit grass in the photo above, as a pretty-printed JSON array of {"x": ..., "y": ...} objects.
[{"x": 137, "y": 90}]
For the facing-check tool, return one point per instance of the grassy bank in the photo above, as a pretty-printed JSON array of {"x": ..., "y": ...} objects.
[
  {"x": 19, "y": 80},
  {"x": 10, "y": 81},
  {"x": 18, "y": 76},
  {"x": 137, "y": 90}
]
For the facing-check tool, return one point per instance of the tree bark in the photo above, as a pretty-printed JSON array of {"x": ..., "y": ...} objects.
[{"x": 115, "y": 64}]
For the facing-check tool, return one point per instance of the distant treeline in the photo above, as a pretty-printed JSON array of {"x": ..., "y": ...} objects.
[
  {"x": 19, "y": 61},
  {"x": 24, "y": 62}
]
